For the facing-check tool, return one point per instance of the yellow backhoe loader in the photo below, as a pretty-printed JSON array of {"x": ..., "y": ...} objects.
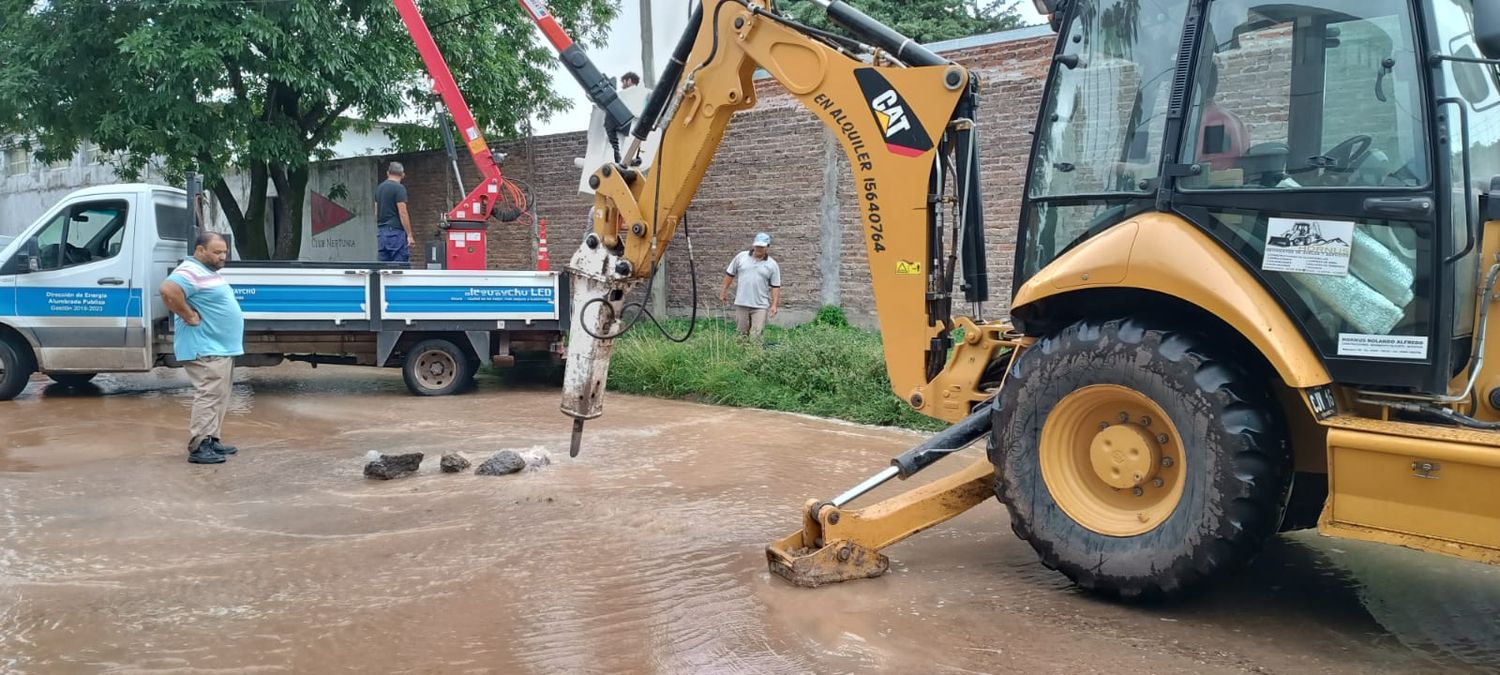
[{"x": 1182, "y": 373}]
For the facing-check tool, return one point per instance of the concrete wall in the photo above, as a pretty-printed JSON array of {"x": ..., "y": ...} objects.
[
  {"x": 25, "y": 196},
  {"x": 345, "y": 223},
  {"x": 350, "y": 187},
  {"x": 355, "y": 143}
]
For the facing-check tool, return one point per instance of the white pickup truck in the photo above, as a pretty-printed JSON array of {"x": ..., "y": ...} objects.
[{"x": 78, "y": 296}]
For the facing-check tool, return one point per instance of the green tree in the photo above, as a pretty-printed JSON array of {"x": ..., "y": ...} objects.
[
  {"x": 259, "y": 86},
  {"x": 926, "y": 20}
]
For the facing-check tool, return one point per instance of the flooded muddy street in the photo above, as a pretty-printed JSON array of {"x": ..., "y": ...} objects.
[{"x": 644, "y": 554}]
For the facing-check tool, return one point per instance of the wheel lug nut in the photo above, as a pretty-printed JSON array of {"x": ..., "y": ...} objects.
[
  {"x": 1162, "y": 439},
  {"x": 1103, "y": 426},
  {"x": 1157, "y": 483},
  {"x": 1124, "y": 417},
  {"x": 1137, "y": 492},
  {"x": 1166, "y": 461},
  {"x": 1145, "y": 420}
]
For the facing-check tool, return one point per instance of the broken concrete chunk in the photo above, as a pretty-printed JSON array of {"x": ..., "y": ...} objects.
[
  {"x": 454, "y": 463},
  {"x": 502, "y": 463},
  {"x": 387, "y": 467}
]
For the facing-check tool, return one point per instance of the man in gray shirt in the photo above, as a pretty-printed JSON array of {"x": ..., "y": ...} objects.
[
  {"x": 759, "y": 291},
  {"x": 393, "y": 225}
]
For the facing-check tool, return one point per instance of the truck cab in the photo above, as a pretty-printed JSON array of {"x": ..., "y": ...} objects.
[{"x": 78, "y": 288}]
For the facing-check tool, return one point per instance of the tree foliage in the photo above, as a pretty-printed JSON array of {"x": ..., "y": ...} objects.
[
  {"x": 925, "y": 20},
  {"x": 259, "y": 86}
]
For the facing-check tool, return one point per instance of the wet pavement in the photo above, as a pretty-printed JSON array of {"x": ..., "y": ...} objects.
[{"x": 644, "y": 554}]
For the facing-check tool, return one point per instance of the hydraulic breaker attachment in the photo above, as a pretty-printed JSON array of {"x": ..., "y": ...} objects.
[
  {"x": 839, "y": 545},
  {"x": 599, "y": 289}
]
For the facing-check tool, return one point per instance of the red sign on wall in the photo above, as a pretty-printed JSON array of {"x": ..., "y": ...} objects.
[{"x": 327, "y": 215}]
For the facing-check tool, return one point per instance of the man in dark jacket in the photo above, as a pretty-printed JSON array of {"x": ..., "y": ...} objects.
[{"x": 393, "y": 225}]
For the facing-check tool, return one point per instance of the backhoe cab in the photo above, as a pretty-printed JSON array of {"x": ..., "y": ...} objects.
[{"x": 1251, "y": 292}]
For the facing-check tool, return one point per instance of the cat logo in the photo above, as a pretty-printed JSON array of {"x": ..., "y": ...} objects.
[
  {"x": 904, "y": 135},
  {"x": 908, "y": 268},
  {"x": 890, "y": 114}
]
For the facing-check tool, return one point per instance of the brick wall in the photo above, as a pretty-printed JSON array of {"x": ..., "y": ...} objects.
[
  {"x": 769, "y": 175},
  {"x": 544, "y": 163}
]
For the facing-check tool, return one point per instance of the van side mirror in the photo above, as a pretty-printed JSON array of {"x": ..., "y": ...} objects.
[
  {"x": 21, "y": 263},
  {"x": 1487, "y": 27}
]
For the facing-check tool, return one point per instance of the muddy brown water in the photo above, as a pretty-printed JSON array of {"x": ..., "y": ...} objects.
[{"x": 645, "y": 554}]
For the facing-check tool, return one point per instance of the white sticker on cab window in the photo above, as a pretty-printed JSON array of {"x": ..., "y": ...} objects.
[
  {"x": 1383, "y": 346},
  {"x": 1309, "y": 246}
]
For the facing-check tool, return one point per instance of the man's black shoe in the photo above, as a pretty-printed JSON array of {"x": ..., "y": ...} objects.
[
  {"x": 219, "y": 447},
  {"x": 205, "y": 454}
]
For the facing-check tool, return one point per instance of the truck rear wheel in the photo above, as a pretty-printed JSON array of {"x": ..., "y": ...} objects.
[
  {"x": 435, "y": 367},
  {"x": 16, "y": 367},
  {"x": 1138, "y": 460}
]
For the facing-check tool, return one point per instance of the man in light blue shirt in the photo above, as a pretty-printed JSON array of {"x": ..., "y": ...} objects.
[{"x": 208, "y": 331}]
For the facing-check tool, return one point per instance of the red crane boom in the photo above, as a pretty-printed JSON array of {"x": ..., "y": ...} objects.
[{"x": 493, "y": 189}]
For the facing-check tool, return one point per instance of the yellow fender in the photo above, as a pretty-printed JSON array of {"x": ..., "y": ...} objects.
[{"x": 1163, "y": 253}]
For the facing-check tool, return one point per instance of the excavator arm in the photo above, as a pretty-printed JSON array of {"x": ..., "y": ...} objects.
[{"x": 904, "y": 117}]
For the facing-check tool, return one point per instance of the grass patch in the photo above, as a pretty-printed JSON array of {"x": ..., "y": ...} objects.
[{"x": 825, "y": 368}]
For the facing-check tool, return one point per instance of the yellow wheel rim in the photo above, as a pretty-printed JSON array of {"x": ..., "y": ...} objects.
[{"x": 1112, "y": 460}]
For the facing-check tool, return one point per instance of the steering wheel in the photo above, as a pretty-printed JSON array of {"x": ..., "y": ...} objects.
[
  {"x": 1346, "y": 157},
  {"x": 76, "y": 255}
]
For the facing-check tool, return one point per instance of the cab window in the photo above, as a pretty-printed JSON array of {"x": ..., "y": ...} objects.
[
  {"x": 1290, "y": 96},
  {"x": 1099, "y": 144},
  {"x": 82, "y": 234},
  {"x": 1477, "y": 88}
]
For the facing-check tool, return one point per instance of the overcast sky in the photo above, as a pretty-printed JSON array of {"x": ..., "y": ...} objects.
[{"x": 623, "y": 52}]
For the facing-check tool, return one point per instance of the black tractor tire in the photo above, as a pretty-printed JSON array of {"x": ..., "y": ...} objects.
[
  {"x": 436, "y": 367},
  {"x": 16, "y": 368},
  {"x": 1237, "y": 466},
  {"x": 72, "y": 379}
]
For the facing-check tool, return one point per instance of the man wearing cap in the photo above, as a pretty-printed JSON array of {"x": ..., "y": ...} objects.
[
  {"x": 758, "y": 293},
  {"x": 393, "y": 225}
]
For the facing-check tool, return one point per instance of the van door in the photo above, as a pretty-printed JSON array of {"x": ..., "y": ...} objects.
[
  {"x": 8, "y": 250},
  {"x": 79, "y": 300}
]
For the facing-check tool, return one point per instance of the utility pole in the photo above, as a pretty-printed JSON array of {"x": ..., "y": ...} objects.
[
  {"x": 648, "y": 60},
  {"x": 648, "y": 80}
]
